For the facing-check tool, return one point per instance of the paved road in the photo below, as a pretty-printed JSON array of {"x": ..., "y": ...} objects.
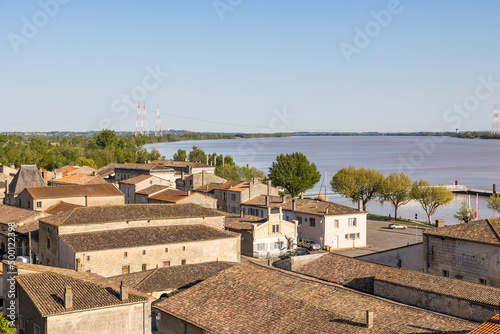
[{"x": 380, "y": 237}]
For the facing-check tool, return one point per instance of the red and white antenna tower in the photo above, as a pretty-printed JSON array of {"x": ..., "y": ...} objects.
[
  {"x": 138, "y": 122},
  {"x": 145, "y": 120},
  {"x": 158, "y": 131},
  {"x": 495, "y": 126}
]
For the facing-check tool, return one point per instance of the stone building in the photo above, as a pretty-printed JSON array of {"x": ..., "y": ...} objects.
[
  {"x": 27, "y": 176},
  {"x": 252, "y": 298},
  {"x": 198, "y": 180},
  {"x": 78, "y": 178},
  {"x": 467, "y": 251},
  {"x": 117, "y": 240},
  {"x": 130, "y": 170},
  {"x": 43, "y": 198},
  {"x": 263, "y": 237},
  {"x": 130, "y": 187},
  {"x": 188, "y": 167},
  {"x": 174, "y": 196},
  {"x": 327, "y": 223},
  {"x": 57, "y": 301}
]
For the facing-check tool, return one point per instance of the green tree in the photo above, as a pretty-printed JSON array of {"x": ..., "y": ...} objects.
[
  {"x": 494, "y": 202},
  {"x": 358, "y": 184},
  {"x": 464, "y": 214},
  {"x": 197, "y": 155},
  {"x": 105, "y": 138},
  {"x": 81, "y": 161},
  {"x": 430, "y": 197},
  {"x": 5, "y": 326},
  {"x": 294, "y": 173},
  {"x": 180, "y": 155},
  {"x": 396, "y": 188}
]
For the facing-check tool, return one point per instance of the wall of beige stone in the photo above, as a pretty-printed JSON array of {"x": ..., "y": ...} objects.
[
  {"x": 28, "y": 202},
  {"x": 171, "y": 325},
  {"x": 132, "y": 318},
  {"x": 406, "y": 257},
  {"x": 470, "y": 261},
  {"x": 110, "y": 262},
  {"x": 204, "y": 201},
  {"x": 453, "y": 306},
  {"x": 46, "y": 232}
]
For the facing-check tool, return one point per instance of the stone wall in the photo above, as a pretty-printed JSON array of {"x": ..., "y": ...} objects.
[
  {"x": 28, "y": 202},
  {"x": 172, "y": 325},
  {"x": 453, "y": 306},
  {"x": 48, "y": 255},
  {"x": 406, "y": 257}
]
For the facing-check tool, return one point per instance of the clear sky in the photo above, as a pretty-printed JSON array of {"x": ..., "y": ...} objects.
[{"x": 250, "y": 66}]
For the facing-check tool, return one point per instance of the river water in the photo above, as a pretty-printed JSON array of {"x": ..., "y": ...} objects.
[{"x": 438, "y": 160}]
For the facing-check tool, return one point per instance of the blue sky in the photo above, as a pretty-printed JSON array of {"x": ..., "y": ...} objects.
[{"x": 250, "y": 66}]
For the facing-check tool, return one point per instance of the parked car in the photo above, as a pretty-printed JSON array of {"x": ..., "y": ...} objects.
[
  {"x": 301, "y": 251},
  {"x": 311, "y": 245},
  {"x": 393, "y": 226}
]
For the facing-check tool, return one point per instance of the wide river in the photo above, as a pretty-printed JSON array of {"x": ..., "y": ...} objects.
[{"x": 438, "y": 160}]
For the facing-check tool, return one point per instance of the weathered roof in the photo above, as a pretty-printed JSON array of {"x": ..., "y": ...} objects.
[
  {"x": 142, "y": 236},
  {"x": 236, "y": 222},
  {"x": 108, "y": 169},
  {"x": 66, "y": 169},
  {"x": 485, "y": 231},
  {"x": 251, "y": 298},
  {"x": 27, "y": 176},
  {"x": 88, "y": 190},
  {"x": 46, "y": 291},
  {"x": 308, "y": 206},
  {"x": 62, "y": 207},
  {"x": 150, "y": 166},
  {"x": 14, "y": 214},
  {"x": 129, "y": 212},
  {"x": 232, "y": 185},
  {"x": 151, "y": 190},
  {"x": 80, "y": 178},
  {"x": 360, "y": 275},
  {"x": 169, "y": 278},
  {"x": 136, "y": 179},
  {"x": 175, "y": 196},
  {"x": 491, "y": 326}
]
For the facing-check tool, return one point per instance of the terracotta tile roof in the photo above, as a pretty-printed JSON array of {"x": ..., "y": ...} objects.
[
  {"x": 250, "y": 298},
  {"x": 28, "y": 227},
  {"x": 62, "y": 207},
  {"x": 142, "y": 236},
  {"x": 46, "y": 291},
  {"x": 485, "y": 231},
  {"x": 27, "y": 176},
  {"x": 308, "y": 206},
  {"x": 151, "y": 190},
  {"x": 107, "y": 170},
  {"x": 175, "y": 196},
  {"x": 169, "y": 278},
  {"x": 66, "y": 169},
  {"x": 236, "y": 222},
  {"x": 360, "y": 275},
  {"x": 136, "y": 179},
  {"x": 150, "y": 166},
  {"x": 74, "y": 190},
  {"x": 79, "y": 178},
  {"x": 492, "y": 326},
  {"x": 232, "y": 185},
  {"x": 14, "y": 214},
  {"x": 130, "y": 212}
]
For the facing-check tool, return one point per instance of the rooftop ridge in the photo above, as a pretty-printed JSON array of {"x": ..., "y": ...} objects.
[
  {"x": 146, "y": 277},
  {"x": 493, "y": 228}
]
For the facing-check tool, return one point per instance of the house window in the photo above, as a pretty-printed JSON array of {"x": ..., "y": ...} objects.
[
  {"x": 446, "y": 273},
  {"x": 223, "y": 196},
  {"x": 262, "y": 213},
  {"x": 88, "y": 270},
  {"x": 274, "y": 228},
  {"x": 276, "y": 245},
  {"x": 183, "y": 262},
  {"x": 143, "y": 199},
  {"x": 336, "y": 223},
  {"x": 243, "y": 210},
  {"x": 233, "y": 210},
  {"x": 125, "y": 254},
  {"x": 277, "y": 228},
  {"x": 259, "y": 247},
  {"x": 37, "y": 329},
  {"x": 166, "y": 263},
  {"x": 21, "y": 323},
  {"x": 346, "y": 236},
  {"x": 357, "y": 235},
  {"x": 128, "y": 191},
  {"x": 233, "y": 197},
  {"x": 183, "y": 248},
  {"x": 38, "y": 204},
  {"x": 482, "y": 281},
  {"x": 29, "y": 204},
  {"x": 352, "y": 236},
  {"x": 144, "y": 267},
  {"x": 125, "y": 270},
  {"x": 143, "y": 252},
  {"x": 312, "y": 222},
  {"x": 88, "y": 258},
  {"x": 299, "y": 219},
  {"x": 166, "y": 250},
  {"x": 352, "y": 222},
  {"x": 48, "y": 242}
]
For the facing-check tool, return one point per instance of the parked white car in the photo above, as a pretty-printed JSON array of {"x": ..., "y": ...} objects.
[{"x": 393, "y": 226}]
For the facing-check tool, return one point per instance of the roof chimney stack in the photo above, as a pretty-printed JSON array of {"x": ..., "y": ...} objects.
[
  {"x": 203, "y": 176},
  {"x": 269, "y": 187},
  {"x": 440, "y": 223},
  {"x": 267, "y": 200},
  {"x": 188, "y": 193},
  {"x": 360, "y": 205},
  {"x": 123, "y": 291},
  {"x": 241, "y": 213},
  {"x": 369, "y": 319},
  {"x": 283, "y": 199},
  {"x": 293, "y": 204},
  {"x": 68, "y": 298}
]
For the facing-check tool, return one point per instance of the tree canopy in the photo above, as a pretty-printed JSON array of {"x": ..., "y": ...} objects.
[
  {"x": 358, "y": 184},
  {"x": 430, "y": 197},
  {"x": 5, "y": 327},
  {"x": 465, "y": 213},
  {"x": 396, "y": 188},
  {"x": 294, "y": 173},
  {"x": 494, "y": 202},
  {"x": 180, "y": 155}
]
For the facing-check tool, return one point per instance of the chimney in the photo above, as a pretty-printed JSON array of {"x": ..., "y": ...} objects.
[
  {"x": 188, "y": 193},
  {"x": 249, "y": 190},
  {"x": 123, "y": 292},
  {"x": 268, "y": 187},
  {"x": 283, "y": 199},
  {"x": 241, "y": 213},
  {"x": 203, "y": 175},
  {"x": 68, "y": 298},
  {"x": 369, "y": 319},
  {"x": 360, "y": 205},
  {"x": 182, "y": 175},
  {"x": 440, "y": 223},
  {"x": 267, "y": 200},
  {"x": 301, "y": 196},
  {"x": 293, "y": 204},
  {"x": 94, "y": 173}
]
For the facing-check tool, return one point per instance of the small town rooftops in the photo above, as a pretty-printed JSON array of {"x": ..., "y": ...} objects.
[
  {"x": 137, "y": 179},
  {"x": 491, "y": 326},
  {"x": 251, "y": 298},
  {"x": 150, "y": 166},
  {"x": 360, "y": 275},
  {"x": 232, "y": 185},
  {"x": 88, "y": 190},
  {"x": 485, "y": 231},
  {"x": 27, "y": 176},
  {"x": 169, "y": 278},
  {"x": 237, "y": 222},
  {"x": 129, "y": 212},
  {"x": 62, "y": 207},
  {"x": 17, "y": 215},
  {"x": 173, "y": 163},
  {"x": 142, "y": 236},
  {"x": 308, "y": 206},
  {"x": 46, "y": 290},
  {"x": 175, "y": 196},
  {"x": 151, "y": 190},
  {"x": 79, "y": 178}
]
